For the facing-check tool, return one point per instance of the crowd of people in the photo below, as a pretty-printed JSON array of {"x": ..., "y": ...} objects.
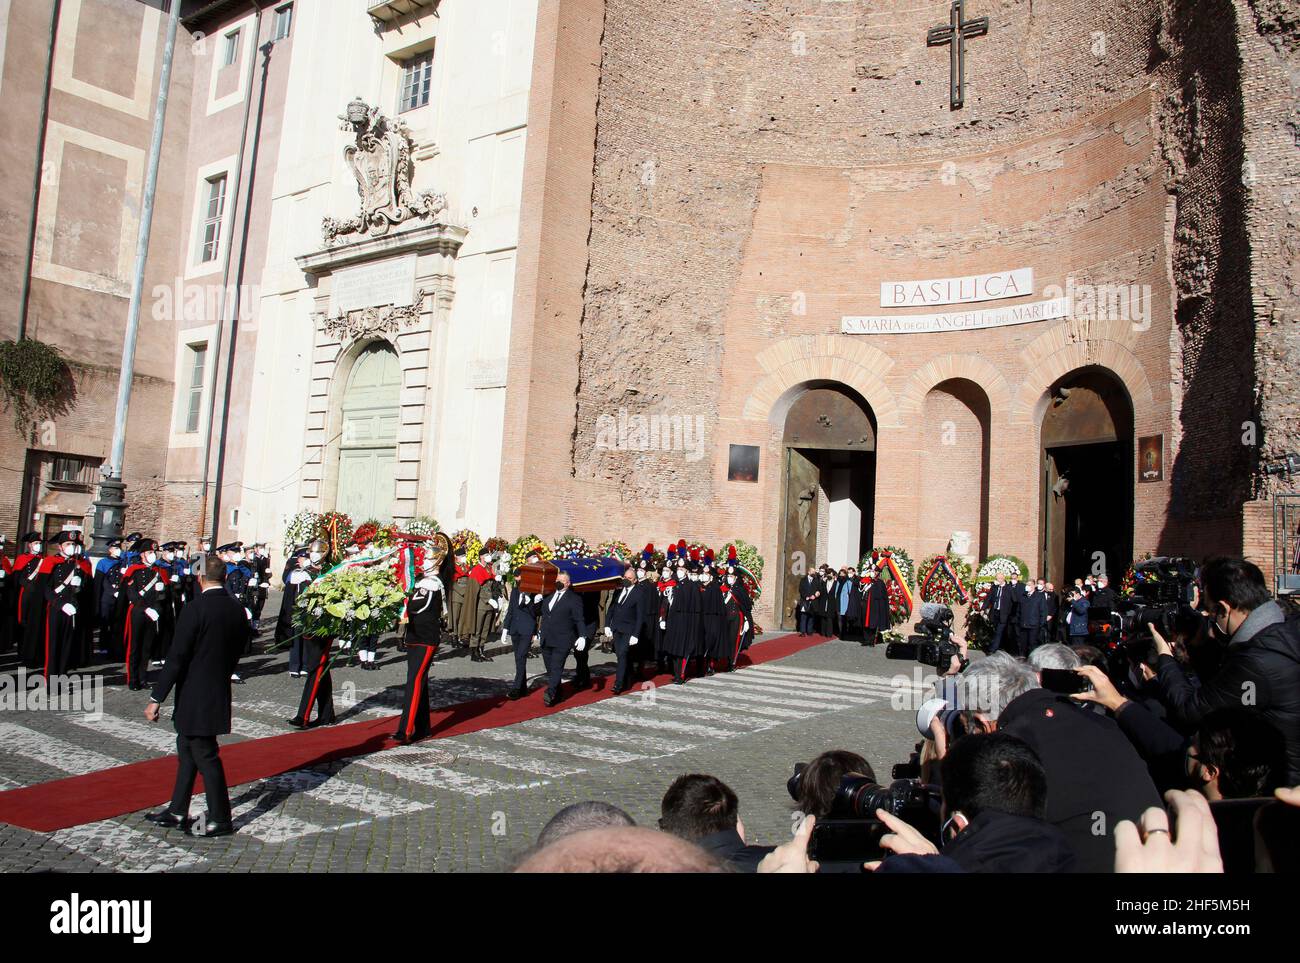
[
  {"x": 1023, "y": 615},
  {"x": 62, "y": 614},
  {"x": 1051, "y": 753},
  {"x": 1069, "y": 759},
  {"x": 843, "y": 604}
]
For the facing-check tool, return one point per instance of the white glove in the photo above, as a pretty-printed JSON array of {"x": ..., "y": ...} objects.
[
  {"x": 663, "y": 624},
  {"x": 609, "y": 633},
  {"x": 248, "y": 615},
  {"x": 298, "y": 577},
  {"x": 746, "y": 628},
  {"x": 503, "y": 636},
  {"x": 69, "y": 609},
  {"x": 494, "y": 603},
  {"x": 537, "y": 598},
  {"x": 158, "y": 586},
  {"x": 152, "y": 613},
  {"x": 632, "y": 640},
  {"x": 581, "y": 645},
  {"x": 75, "y": 581}
]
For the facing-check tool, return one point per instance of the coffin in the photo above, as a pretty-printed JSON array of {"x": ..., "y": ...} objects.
[
  {"x": 538, "y": 579},
  {"x": 585, "y": 574}
]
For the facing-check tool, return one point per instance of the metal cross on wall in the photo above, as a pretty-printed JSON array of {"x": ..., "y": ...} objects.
[{"x": 954, "y": 33}]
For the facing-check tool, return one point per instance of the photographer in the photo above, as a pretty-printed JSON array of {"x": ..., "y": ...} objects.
[
  {"x": 1233, "y": 754},
  {"x": 703, "y": 810},
  {"x": 994, "y": 801},
  {"x": 1261, "y": 668},
  {"x": 1095, "y": 778}
]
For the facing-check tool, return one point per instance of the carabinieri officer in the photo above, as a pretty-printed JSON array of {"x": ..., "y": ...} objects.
[{"x": 424, "y": 617}]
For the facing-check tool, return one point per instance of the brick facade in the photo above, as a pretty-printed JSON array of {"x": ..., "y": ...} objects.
[{"x": 759, "y": 168}]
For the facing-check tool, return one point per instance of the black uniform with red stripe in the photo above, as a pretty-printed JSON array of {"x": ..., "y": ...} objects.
[
  {"x": 166, "y": 607},
  {"x": 63, "y": 580},
  {"x": 144, "y": 591},
  {"x": 30, "y": 609},
  {"x": 7, "y": 591},
  {"x": 423, "y": 633}
]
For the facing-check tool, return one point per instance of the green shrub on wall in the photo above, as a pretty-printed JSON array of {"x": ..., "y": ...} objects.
[{"x": 34, "y": 381}]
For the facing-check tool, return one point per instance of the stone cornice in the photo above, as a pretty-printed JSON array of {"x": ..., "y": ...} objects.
[{"x": 435, "y": 238}]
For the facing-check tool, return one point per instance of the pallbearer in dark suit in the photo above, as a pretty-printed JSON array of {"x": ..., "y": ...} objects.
[
  {"x": 62, "y": 584},
  {"x": 623, "y": 625},
  {"x": 519, "y": 627},
  {"x": 144, "y": 591},
  {"x": 210, "y": 637},
  {"x": 649, "y": 601},
  {"x": 563, "y": 628},
  {"x": 423, "y": 632},
  {"x": 30, "y": 604}
]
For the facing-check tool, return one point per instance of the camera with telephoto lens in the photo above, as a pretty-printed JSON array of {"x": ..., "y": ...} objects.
[
  {"x": 1163, "y": 598},
  {"x": 932, "y": 643},
  {"x": 858, "y": 797},
  {"x": 852, "y": 832}
]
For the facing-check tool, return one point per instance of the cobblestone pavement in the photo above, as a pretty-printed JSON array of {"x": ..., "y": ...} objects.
[{"x": 473, "y": 802}]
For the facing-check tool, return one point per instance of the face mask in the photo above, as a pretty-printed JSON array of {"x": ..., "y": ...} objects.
[
  {"x": 114, "y": 552},
  {"x": 315, "y": 556},
  {"x": 681, "y": 573},
  {"x": 69, "y": 550},
  {"x": 150, "y": 558},
  {"x": 731, "y": 580},
  {"x": 628, "y": 581}
]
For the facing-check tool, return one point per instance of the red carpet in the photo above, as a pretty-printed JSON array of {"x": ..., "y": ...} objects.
[{"x": 129, "y": 788}]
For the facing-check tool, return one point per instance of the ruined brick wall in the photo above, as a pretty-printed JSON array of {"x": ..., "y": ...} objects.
[
  {"x": 1269, "y": 45},
  {"x": 696, "y": 96},
  {"x": 760, "y": 165}
]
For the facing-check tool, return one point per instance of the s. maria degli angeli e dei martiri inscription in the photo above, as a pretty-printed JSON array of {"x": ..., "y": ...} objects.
[{"x": 958, "y": 290}]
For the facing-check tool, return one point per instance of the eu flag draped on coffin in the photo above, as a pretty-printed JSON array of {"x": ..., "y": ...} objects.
[{"x": 585, "y": 574}]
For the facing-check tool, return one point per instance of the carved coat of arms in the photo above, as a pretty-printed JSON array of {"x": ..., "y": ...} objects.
[{"x": 381, "y": 161}]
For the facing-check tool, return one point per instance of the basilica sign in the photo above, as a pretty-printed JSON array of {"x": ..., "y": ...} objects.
[
  {"x": 956, "y": 320},
  {"x": 963, "y": 290}
]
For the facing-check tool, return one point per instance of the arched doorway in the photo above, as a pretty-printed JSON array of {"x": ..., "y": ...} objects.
[
  {"x": 1087, "y": 472},
  {"x": 828, "y": 486},
  {"x": 368, "y": 438}
]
